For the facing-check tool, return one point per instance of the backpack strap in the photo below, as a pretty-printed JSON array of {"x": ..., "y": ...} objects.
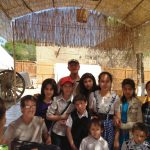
[{"x": 53, "y": 123}]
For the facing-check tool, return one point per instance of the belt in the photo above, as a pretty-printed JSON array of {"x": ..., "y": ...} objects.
[{"x": 104, "y": 116}]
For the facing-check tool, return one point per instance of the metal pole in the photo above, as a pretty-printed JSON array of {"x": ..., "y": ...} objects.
[{"x": 14, "y": 56}]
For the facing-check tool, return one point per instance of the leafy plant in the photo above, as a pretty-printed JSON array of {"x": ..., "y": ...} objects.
[
  {"x": 3, "y": 147},
  {"x": 23, "y": 51}
]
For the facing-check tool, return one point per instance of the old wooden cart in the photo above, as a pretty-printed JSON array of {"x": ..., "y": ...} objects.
[{"x": 7, "y": 90}]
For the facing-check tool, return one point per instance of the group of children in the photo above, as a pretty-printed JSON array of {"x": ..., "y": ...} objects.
[
  {"x": 87, "y": 116},
  {"x": 96, "y": 118}
]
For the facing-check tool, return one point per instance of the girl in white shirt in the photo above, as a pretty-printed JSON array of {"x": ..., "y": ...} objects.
[{"x": 102, "y": 104}]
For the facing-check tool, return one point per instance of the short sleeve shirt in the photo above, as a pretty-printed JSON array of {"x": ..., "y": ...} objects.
[
  {"x": 56, "y": 108},
  {"x": 31, "y": 132}
]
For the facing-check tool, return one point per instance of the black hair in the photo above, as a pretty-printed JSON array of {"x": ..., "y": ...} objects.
[
  {"x": 79, "y": 97},
  {"x": 2, "y": 108},
  {"x": 81, "y": 86},
  {"x": 147, "y": 83},
  {"x": 96, "y": 121},
  {"x": 27, "y": 98},
  {"x": 140, "y": 126},
  {"x": 145, "y": 105},
  {"x": 106, "y": 73},
  {"x": 52, "y": 82},
  {"x": 131, "y": 83},
  {"x": 73, "y": 61}
]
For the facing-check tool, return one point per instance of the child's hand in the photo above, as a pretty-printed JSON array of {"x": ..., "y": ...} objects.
[
  {"x": 64, "y": 116},
  {"x": 116, "y": 121}
]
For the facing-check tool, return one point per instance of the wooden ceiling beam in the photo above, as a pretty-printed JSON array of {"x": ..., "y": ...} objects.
[
  {"x": 4, "y": 11},
  {"x": 136, "y": 26},
  {"x": 53, "y": 3},
  {"x": 27, "y": 6},
  {"x": 97, "y": 4},
  {"x": 131, "y": 11}
]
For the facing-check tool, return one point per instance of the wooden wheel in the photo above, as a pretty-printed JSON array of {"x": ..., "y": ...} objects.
[{"x": 7, "y": 90}]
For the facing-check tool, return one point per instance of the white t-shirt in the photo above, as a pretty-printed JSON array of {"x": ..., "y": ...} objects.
[
  {"x": 31, "y": 132},
  {"x": 89, "y": 143}
]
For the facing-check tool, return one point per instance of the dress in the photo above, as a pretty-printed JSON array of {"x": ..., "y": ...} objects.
[{"x": 105, "y": 106}]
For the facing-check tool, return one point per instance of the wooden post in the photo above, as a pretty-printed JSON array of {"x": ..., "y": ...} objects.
[
  {"x": 14, "y": 56},
  {"x": 140, "y": 74}
]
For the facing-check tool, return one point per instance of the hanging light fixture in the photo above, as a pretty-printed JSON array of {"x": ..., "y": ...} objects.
[{"x": 81, "y": 15}]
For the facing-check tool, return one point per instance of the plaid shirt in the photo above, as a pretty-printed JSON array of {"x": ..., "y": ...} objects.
[
  {"x": 146, "y": 115},
  {"x": 131, "y": 145}
]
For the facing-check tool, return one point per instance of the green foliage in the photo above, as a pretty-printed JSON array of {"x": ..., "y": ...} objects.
[
  {"x": 3, "y": 147},
  {"x": 146, "y": 53},
  {"x": 23, "y": 51},
  {"x": 111, "y": 21}
]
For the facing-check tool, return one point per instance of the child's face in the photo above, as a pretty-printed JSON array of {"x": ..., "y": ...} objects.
[
  {"x": 105, "y": 82},
  {"x": 95, "y": 131},
  {"x": 127, "y": 91},
  {"x": 67, "y": 89},
  {"x": 148, "y": 89},
  {"x": 80, "y": 106},
  {"x": 48, "y": 91},
  {"x": 88, "y": 83},
  {"x": 139, "y": 136}
]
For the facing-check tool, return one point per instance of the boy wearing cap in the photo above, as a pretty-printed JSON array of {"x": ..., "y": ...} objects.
[
  {"x": 58, "y": 112},
  {"x": 73, "y": 67}
]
